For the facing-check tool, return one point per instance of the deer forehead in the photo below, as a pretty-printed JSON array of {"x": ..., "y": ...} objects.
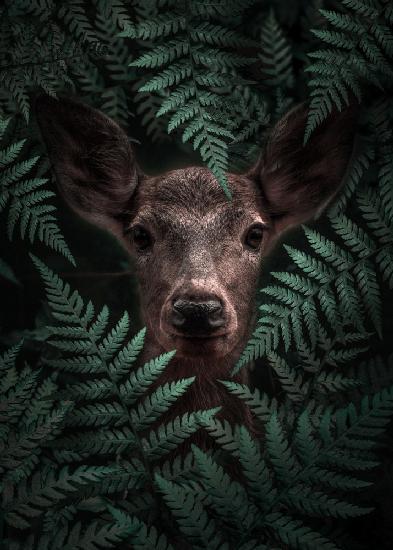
[{"x": 191, "y": 198}]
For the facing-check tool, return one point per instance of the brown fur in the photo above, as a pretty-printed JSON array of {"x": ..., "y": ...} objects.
[{"x": 198, "y": 234}]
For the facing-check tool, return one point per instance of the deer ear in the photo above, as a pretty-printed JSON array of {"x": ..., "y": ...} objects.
[
  {"x": 93, "y": 161},
  {"x": 297, "y": 180}
]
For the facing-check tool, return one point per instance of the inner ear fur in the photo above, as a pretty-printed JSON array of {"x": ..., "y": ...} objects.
[
  {"x": 92, "y": 158},
  {"x": 298, "y": 180}
]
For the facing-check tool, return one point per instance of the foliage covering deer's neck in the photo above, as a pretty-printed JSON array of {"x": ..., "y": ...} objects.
[{"x": 197, "y": 254}]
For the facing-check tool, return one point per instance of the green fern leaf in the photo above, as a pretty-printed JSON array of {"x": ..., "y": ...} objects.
[
  {"x": 143, "y": 537},
  {"x": 312, "y": 502},
  {"x": 159, "y": 402},
  {"x": 229, "y": 498},
  {"x": 280, "y": 453},
  {"x": 191, "y": 516},
  {"x": 144, "y": 377},
  {"x": 291, "y": 381},
  {"x": 169, "y": 436},
  {"x": 27, "y": 201},
  {"x": 258, "y": 474},
  {"x": 294, "y": 533},
  {"x": 276, "y": 55},
  {"x": 370, "y": 291},
  {"x": 260, "y": 403}
]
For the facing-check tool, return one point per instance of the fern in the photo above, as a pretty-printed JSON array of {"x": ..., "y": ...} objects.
[
  {"x": 25, "y": 198},
  {"x": 73, "y": 14},
  {"x": 88, "y": 456},
  {"x": 287, "y": 474},
  {"x": 189, "y": 59},
  {"x": 359, "y": 50},
  {"x": 142, "y": 535},
  {"x": 190, "y": 513},
  {"x": 277, "y": 66},
  {"x": 44, "y": 67},
  {"x": 31, "y": 419},
  {"x": 115, "y": 102},
  {"x": 147, "y": 107}
]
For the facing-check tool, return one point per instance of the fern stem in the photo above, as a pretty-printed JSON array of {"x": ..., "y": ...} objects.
[{"x": 197, "y": 96}]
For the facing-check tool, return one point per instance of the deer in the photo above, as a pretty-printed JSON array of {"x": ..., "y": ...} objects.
[{"x": 196, "y": 254}]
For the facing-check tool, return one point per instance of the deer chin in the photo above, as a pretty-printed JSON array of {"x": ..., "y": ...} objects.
[{"x": 218, "y": 345}]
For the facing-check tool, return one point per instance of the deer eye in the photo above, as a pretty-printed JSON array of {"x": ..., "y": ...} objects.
[
  {"x": 141, "y": 237},
  {"x": 254, "y": 236}
]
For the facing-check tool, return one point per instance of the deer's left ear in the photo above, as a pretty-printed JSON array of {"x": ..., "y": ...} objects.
[
  {"x": 298, "y": 180},
  {"x": 91, "y": 155}
]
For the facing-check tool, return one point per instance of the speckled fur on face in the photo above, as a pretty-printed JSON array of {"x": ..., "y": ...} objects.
[{"x": 198, "y": 247}]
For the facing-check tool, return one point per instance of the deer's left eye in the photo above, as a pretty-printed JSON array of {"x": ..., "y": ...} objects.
[
  {"x": 141, "y": 237},
  {"x": 254, "y": 235}
]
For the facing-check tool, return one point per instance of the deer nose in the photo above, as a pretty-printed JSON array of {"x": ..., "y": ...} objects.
[{"x": 196, "y": 317}]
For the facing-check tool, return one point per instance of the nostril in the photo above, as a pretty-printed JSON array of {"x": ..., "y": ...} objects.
[
  {"x": 178, "y": 305},
  {"x": 214, "y": 308},
  {"x": 177, "y": 317}
]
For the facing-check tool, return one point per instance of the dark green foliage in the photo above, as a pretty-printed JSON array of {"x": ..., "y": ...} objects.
[
  {"x": 88, "y": 458},
  {"x": 31, "y": 418},
  {"x": 24, "y": 198},
  {"x": 360, "y": 50},
  {"x": 194, "y": 66},
  {"x": 309, "y": 473}
]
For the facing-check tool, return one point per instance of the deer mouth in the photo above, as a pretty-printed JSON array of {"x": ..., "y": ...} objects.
[
  {"x": 199, "y": 337},
  {"x": 201, "y": 345}
]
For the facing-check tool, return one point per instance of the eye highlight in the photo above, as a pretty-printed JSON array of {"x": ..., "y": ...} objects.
[
  {"x": 141, "y": 237},
  {"x": 254, "y": 236}
]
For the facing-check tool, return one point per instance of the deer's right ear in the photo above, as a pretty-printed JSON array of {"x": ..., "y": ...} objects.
[
  {"x": 298, "y": 181},
  {"x": 92, "y": 158}
]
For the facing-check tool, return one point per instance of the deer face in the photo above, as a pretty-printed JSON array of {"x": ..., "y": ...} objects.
[{"x": 198, "y": 258}]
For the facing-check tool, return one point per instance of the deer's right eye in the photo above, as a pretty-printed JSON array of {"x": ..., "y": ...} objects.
[{"x": 141, "y": 237}]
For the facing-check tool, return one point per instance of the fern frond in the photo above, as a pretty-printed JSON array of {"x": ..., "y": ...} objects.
[
  {"x": 258, "y": 474},
  {"x": 194, "y": 52},
  {"x": 275, "y": 55},
  {"x": 291, "y": 380},
  {"x": 360, "y": 52},
  {"x": 144, "y": 377},
  {"x": 48, "y": 488},
  {"x": 285, "y": 464},
  {"x": 296, "y": 534},
  {"x": 229, "y": 498},
  {"x": 73, "y": 13},
  {"x": 190, "y": 513},
  {"x": 27, "y": 202},
  {"x": 169, "y": 436},
  {"x": 143, "y": 536},
  {"x": 159, "y": 402},
  {"x": 260, "y": 403}
]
